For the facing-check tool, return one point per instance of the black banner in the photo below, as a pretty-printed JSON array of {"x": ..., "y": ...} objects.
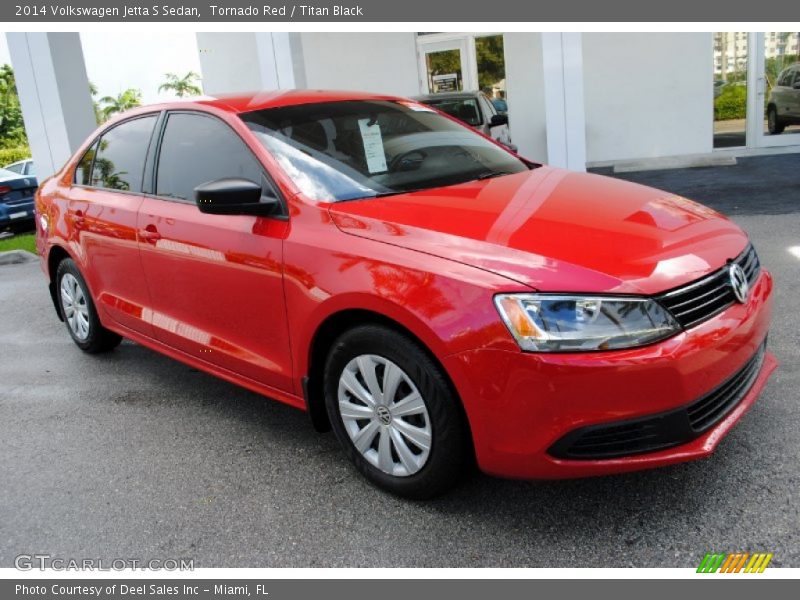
[{"x": 375, "y": 11}]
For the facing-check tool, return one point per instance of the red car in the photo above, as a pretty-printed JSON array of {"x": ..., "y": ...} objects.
[{"x": 429, "y": 295}]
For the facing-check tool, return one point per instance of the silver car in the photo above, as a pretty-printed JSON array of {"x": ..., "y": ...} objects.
[
  {"x": 476, "y": 110},
  {"x": 783, "y": 106}
]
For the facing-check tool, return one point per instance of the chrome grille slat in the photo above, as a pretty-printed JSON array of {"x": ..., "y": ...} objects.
[
  {"x": 721, "y": 286},
  {"x": 700, "y": 300},
  {"x": 716, "y": 298}
]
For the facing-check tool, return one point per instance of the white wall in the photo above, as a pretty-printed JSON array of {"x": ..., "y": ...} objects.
[
  {"x": 370, "y": 62},
  {"x": 54, "y": 95},
  {"x": 647, "y": 94},
  {"x": 229, "y": 62},
  {"x": 525, "y": 93}
]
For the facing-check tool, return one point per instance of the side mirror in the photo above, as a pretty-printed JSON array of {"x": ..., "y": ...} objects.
[
  {"x": 234, "y": 196},
  {"x": 498, "y": 120}
]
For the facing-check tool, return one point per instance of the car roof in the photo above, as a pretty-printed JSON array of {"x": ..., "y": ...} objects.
[
  {"x": 6, "y": 175},
  {"x": 447, "y": 96},
  {"x": 246, "y": 102}
]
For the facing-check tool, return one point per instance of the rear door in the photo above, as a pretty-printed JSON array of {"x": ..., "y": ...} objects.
[
  {"x": 793, "y": 93},
  {"x": 215, "y": 280},
  {"x": 102, "y": 209}
]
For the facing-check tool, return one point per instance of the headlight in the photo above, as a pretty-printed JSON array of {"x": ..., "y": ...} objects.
[{"x": 566, "y": 323}]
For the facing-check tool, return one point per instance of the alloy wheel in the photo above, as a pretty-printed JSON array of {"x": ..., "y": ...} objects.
[{"x": 76, "y": 311}]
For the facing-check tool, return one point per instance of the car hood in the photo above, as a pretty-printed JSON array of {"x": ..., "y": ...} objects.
[{"x": 555, "y": 230}]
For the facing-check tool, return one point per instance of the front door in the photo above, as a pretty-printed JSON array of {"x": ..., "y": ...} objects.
[{"x": 215, "y": 281}]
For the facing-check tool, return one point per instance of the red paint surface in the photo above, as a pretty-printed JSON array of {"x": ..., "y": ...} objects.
[{"x": 242, "y": 297}]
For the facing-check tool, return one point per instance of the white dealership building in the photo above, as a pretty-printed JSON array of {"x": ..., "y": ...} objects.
[{"x": 631, "y": 100}]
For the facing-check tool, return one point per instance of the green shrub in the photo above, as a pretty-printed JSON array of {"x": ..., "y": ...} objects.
[
  {"x": 10, "y": 155},
  {"x": 731, "y": 103},
  {"x": 19, "y": 242}
]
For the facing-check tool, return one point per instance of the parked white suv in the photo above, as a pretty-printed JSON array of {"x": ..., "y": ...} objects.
[{"x": 783, "y": 107}]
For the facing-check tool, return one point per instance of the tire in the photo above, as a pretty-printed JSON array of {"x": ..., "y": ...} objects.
[
  {"x": 79, "y": 312},
  {"x": 434, "y": 415},
  {"x": 774, "y": 124}
]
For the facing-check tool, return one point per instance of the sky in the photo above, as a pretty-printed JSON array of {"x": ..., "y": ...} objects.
[{"x": 117, "y": 61}]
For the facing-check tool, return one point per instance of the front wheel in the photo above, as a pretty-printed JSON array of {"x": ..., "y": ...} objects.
[
  {"x": 394, "y": 413},
  {"x": 79, "y": 312},
  {"x": 774, "y": 124}
]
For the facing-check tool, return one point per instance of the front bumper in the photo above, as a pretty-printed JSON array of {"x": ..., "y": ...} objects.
[{"x": 519, "y": 405}]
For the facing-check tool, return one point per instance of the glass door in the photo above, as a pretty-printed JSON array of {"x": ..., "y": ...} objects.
[
  {"x": 731, "y": 53},
  {"x": 446, "y": 65},
  {"x": 778, "y": 94},
  {"x": 491, "y": 70}
]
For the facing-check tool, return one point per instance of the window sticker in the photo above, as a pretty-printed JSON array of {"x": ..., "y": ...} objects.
[
  {"x": 373, "y": 145},
  {"x": 416, "y": 106}
]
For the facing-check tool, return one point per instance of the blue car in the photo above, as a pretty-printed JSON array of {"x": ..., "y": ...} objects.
[{"x": 16, "y": 200}]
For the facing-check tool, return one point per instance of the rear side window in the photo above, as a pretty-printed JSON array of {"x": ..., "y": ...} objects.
[
  {"x": 83, "y": 172},
  {"x": 463, "y": 109},
  {"x": 786, "y": 77},
  {"x": 120, "y": 155},
  {"x": 197, "y": 149}
]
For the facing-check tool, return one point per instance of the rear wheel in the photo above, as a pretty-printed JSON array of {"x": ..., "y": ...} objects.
[
  {"x": 774, "y": 124},
  {"x": 79, "y": 312},
  {"x": 394, "y": 414}
]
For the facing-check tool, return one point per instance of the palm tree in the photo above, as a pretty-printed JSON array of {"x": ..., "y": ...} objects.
[
  {"x": 128, "y": 99},
  {"x": 98, "y": 112},
  {"x": 182, "y": 86}
]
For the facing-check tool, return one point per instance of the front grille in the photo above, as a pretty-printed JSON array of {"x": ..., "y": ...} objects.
[
  {"x": 663, "y": 430},
  {"x": 699, "y": 301}
]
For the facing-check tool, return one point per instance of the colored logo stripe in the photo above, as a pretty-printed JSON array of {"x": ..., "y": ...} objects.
[{"x": 733, "y": 563}]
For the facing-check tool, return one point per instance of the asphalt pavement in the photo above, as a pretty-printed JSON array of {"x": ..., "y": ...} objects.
[{"x": 134, "y": 455}]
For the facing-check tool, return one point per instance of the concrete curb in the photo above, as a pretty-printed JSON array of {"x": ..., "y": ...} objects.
[
  {"x": 674, "y": 162},
  {"x": 16, "y": 257}
]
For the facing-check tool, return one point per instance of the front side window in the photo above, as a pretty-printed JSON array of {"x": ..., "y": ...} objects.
[
  {"x": 197, "y": 149},
  {"x": 336, "y": 151},
  {"x": 120, "y": 155},
  {"x": 489, "y": 107}
]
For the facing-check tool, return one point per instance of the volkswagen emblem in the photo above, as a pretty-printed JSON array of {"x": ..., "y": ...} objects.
[
  {"x": 384, "y": 416},
  {"x": 739, "y": 283}
]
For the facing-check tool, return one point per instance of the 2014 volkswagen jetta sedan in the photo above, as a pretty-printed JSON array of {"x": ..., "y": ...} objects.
[{"x": 430, "y": 296}]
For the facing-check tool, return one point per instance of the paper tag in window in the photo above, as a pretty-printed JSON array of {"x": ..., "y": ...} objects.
[
  {"x": 416, "y": 106},
  {"x": 373, "y": 146}
]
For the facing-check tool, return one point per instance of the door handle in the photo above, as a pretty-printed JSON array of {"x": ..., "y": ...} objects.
[
  {"x": 150, "y": 234},
  {"x": 77, "y": 219}
]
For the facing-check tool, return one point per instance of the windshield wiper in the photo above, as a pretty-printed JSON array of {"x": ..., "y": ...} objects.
[
  {"x": 491, "y": 175},
  {"x": 394, "y": 193}
]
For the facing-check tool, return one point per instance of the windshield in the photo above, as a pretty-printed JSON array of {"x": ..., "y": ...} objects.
[
  {"x": 361, "y": 149},
  {"x": 463, "y": 109}
]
